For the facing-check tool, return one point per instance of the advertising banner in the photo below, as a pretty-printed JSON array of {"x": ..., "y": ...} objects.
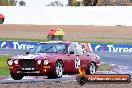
[
  {"x": 89, "y": 46},
  {"x": 17, "y": 45},
  {"x": 110, "y": 47}
]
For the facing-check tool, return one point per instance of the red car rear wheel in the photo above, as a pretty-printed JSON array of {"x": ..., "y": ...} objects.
[{"x": 91, "y": 68}]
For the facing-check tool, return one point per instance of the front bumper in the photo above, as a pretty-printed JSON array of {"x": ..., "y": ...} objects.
[{"x": 38, "y": 70}]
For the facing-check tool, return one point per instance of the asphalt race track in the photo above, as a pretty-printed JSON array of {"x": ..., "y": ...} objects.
[
  {"x": 123, "y": 60},
  {"x": 26, "y": 79}
]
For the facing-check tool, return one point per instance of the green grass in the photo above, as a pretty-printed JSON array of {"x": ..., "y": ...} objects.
[
  {"x": 84, "y": 41},
  {"x": 104, "y": 67},
  {"x": 4, "y": 71},
  {"x": 17, "y": 39},
  {"x": 105, "y": 37}
]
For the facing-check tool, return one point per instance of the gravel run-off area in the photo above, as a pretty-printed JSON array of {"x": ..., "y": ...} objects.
[{"x": 69, "y": 84}]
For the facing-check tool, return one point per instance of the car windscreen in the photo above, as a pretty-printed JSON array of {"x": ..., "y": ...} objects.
[{"x": 49, "y": 48}]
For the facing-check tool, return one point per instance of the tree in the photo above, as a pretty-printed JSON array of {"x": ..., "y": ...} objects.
[
  {"x": 114, "y": 2},
  {"x": 90, "y": 2},
  {"x": 6, "y": 2},
  {"x": 72, "y": 3},
  {"x": 85, "y": 2},
  {"x": 22, "y": 3}
]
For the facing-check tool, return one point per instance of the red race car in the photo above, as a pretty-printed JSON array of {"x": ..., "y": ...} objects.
[{"x": 53, "y": 59}]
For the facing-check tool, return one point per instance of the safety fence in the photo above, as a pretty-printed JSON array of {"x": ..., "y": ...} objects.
[{"x": 89, "y": 46}]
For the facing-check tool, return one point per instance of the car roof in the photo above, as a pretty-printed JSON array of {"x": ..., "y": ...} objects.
[
  {"x": 53, "y": 42},
  {"x": 65, "y": 42}
]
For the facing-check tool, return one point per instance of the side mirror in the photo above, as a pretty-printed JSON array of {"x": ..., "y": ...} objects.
[
  {"x": 71, "y": 52},
  {"x": 27, "y": 52}
]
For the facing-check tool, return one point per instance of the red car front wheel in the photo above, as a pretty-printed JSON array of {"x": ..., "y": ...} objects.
[{"x": 58, "y": 70}]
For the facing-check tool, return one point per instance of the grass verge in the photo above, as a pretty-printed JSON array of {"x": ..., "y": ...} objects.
[
  {"x": 4, "y": 71},
  {"x": 105, "y": 67},
  {"x": 45, "y": 40},
  {"x": 17, "y": 39}
]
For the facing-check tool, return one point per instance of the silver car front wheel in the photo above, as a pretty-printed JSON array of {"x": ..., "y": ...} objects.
[
  {"x": 57, "y": 72},
  {"x": 59, "y": 69}
]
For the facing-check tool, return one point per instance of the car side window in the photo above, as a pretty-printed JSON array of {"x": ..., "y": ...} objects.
[
  {"x": 71, "y": 48},
  {"x": 80, "y": 48},
  {"x": 84, "y": 50}
]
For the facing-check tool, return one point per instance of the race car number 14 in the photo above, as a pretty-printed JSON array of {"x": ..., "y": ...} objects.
[{"x": 77, "y": 62}]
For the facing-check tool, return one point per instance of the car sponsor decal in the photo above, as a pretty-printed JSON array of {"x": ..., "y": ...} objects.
[{"x": 77, "y": 62}]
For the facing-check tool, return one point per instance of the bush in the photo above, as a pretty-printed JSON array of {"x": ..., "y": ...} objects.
[
  {"x": 6, "y": 2},
  {"x": 114, "y": 2}
]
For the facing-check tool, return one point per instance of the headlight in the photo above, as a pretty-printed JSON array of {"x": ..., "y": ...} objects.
[
  {"x": 10, "y": 62},
  {"x": 39, "y": 61},
  {"x": 46, "y": 62},
  {"x": 16, "y": 61}
]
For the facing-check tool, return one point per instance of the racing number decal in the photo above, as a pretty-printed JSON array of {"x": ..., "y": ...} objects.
[{"x": 77, "y": 62}]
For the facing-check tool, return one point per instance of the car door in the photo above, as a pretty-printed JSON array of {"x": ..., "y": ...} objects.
[
  {"x": 81, "y": 58},
  {"x": 70, "y": 58},
  {"x": 84, "y": 58}
]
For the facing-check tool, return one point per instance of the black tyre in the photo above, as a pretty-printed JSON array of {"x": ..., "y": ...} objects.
[
  {"x": 91, "y": 68},
  {"x": 58, "y": 70},
  {"x": 17, "y": 76},
  {"x": 81, "y": 80}
]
